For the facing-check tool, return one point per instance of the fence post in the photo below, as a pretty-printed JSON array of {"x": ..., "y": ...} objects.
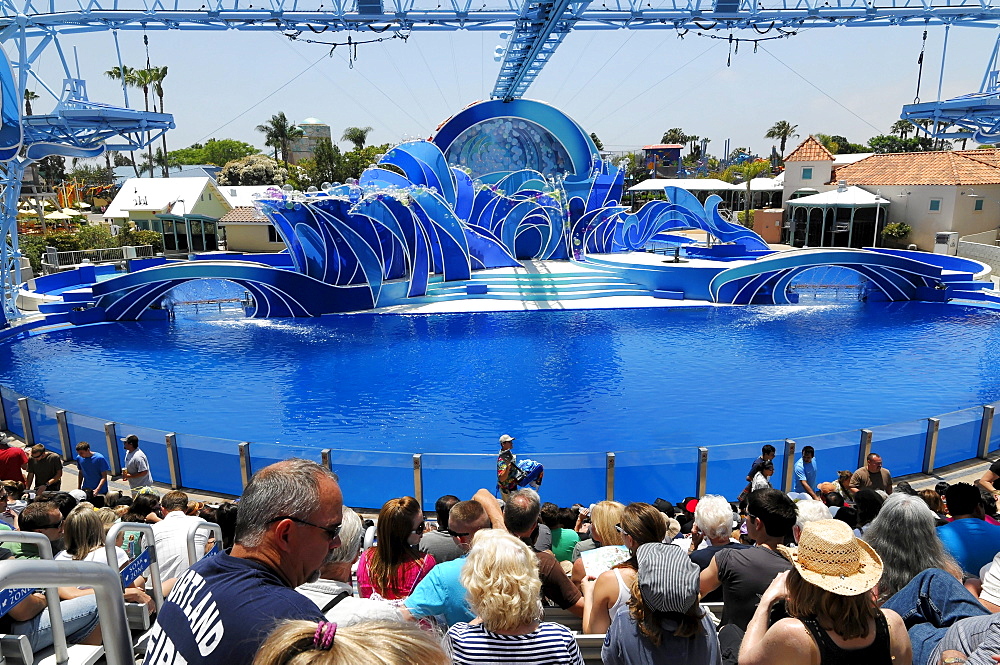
[
  {"x": 326, "y": 458},
  {"x": 865, "y": 447},
  {"x": 29, "y": 433},
  {"x": 172, "y": 461},
  {"x": 111, "y": 437},
  {"x": 702, "y": 472},
  {"x": 418, "y": 480},
  {"x": 788, "y": 466},
  {"x": 246, "y": 472},
  {"x": 609, "y": 477},
  {"x": 3, "y": 415},
  {"x": 64, "y": 440},
  {"x": 930, "y": 444},
  {"x": 985, "y": 431}
]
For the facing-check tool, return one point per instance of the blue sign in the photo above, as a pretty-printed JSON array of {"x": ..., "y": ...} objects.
[
  {"x": 11, "y": 597},
  {"x": 135, "y": 568}
]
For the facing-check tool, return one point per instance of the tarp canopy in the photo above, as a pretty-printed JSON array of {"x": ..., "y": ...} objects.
[
  {"x": 690, "y": 184},
  {"x": 850, "y": 197},
  {"x": 763, "y": 184}
]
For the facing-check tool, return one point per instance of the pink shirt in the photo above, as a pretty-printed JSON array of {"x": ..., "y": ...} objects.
[{"x": 406, "y": 577}]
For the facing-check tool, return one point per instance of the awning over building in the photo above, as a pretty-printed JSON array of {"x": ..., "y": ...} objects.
[{"x": 690, "y": 184}]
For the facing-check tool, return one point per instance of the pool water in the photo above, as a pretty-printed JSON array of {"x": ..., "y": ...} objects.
[{"x": 584, "y": 380}]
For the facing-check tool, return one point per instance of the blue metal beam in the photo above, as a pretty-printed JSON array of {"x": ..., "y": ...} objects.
[{"x": 541, "y": 27}]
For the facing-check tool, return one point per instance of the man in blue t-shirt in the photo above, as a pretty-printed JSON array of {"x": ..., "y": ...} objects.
[
  {"x": 94, "y": 469},
  {"x": 806, "y": 473},
  {"x": 968, "y": 537},
  {"x": 223, "y": 608},
  {"x": 441, "y": 593}
]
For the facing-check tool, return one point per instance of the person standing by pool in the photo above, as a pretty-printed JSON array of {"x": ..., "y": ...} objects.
[
  {"x": 94, "y": 469},
  {"x": 136, "y": 470},
  {"x": 507, "y": 470},
  {"x": 806, "y": 476},
  {"x": 767, "y": 453},
  {"x": 44, "y": 469},
  {"x": 872, "y": 476},
  {"x": 13, "y": 460}
]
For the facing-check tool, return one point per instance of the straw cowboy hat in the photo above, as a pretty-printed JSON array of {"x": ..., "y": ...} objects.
[{"x": 830, "y": 557}]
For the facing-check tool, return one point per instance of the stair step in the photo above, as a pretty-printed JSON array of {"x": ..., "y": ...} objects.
[
  {"x": 78, "y": 295},
  {"x": 602, "y": 293}
]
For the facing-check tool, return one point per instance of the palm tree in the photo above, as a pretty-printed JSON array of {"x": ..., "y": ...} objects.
[
  {"x": 748, "y": 170},
  {"x": 357, "y": 136},
  {"x": 901, "y": 128},
  {"x": 782, "y": 130},
  {"x": 29, "y": 96},
  {"x": 156, "y": 76},
  {"x": 279, "y": 134},
  {"x": 127, "y": 76}
]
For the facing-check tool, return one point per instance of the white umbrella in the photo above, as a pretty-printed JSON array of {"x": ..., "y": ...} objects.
[
  {"x": 82, "y": 204},
  {"x": 58, "y": 215},
  {"x": 72, "y": 213}
]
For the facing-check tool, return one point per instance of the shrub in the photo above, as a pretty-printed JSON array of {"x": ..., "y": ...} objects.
[{"x": 896, "y": 230}]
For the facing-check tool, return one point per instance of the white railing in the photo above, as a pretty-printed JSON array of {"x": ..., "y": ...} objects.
[{"x": 54, "y": 261}]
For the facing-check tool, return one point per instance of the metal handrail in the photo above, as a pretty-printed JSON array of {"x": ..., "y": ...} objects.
[
  {"x": 107, "y": 591},
  {"x": 192, "y": 530},
  {"x": 51, "y": 594},
  {"x": 154, "y": 565}
]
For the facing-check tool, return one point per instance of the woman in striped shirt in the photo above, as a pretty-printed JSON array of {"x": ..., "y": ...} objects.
[{"x": 501, "y": 576}]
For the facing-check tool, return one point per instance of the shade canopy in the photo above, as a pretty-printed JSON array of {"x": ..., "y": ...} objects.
[
  {"x": 58, "y": 215},
  {"x": 849, "y": 197},
  {"x": 690, "y": 184}
]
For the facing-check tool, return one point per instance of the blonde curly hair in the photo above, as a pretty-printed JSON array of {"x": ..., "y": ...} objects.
[
  {"x": 369, "y": 642},
  {"x": 501, "y": 576}
]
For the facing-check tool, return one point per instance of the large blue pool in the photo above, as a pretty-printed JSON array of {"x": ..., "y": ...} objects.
[{"x": 560, "y": 381}]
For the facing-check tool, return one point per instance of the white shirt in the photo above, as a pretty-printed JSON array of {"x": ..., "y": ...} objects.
[
  {"x": 170, "y": 538},
  {"x": 351, "y": 609},
  {"x": 136, "y": 462},
  {"x": 99, "y": 555}
]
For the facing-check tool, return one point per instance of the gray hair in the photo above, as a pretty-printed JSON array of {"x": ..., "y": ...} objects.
[
  {"x": 714, "y": 516},
  {"x": 904, "y": 535},
  {"x": 521, "y": 512},
  {"x": 352, "y": 530},
  {"x": 287, "y": 488},
  {"x": 810, "y": 511}
]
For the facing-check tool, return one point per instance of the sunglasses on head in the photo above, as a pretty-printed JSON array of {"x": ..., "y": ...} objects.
[{"x": 622, "y": 531}]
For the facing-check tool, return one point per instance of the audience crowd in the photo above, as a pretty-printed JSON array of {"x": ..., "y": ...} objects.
[{"x": 856, "y": 569}]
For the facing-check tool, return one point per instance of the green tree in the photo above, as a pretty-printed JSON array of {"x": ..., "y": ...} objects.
[
  {"x": 279, "y": 134},
  {"x": 356, "y": 161},
  {"x": 222, "y": 151},
  {"x": 597, "y": 141},
  {"x": 253, "y": 170},
  {"x": 674, "y": 135},
  {"x": 888, "y": 143},
  {"x": 156, "y": 76},
  {"x": 747, "y": 171},
  {"x": 902, "y": 128},
  {"x": 91, "y": 176},
  {"x": 782, "y": 131},
  {"x": 52, "y": 169},
  {"x": 128, "y": 77},
  {"x": 95, "y": 237},
  {"x": 327, "y": 163},
  {"x": 29, "y": 97},
  {"x": 356, "y": 136}
]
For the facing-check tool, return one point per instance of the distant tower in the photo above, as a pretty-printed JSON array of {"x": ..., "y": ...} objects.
[{"x": 312, "y": 131}]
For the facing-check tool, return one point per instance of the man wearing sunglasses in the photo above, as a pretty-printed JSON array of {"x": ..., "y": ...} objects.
[
  {"x": 222, "y": 609},
  {"x": 440, "y": 593},
  {"x": 45, "y": 470}
]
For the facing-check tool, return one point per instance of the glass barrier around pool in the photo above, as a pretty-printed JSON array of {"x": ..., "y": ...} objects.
[{"x": 369, "y": 478}]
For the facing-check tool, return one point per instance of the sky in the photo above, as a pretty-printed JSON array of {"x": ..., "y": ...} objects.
[{"x": 627, "y": 86}]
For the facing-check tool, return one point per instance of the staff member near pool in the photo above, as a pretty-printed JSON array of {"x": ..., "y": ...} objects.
[
  {"x": 512, "y": 474},
  {"x": 136, "y": 470}
]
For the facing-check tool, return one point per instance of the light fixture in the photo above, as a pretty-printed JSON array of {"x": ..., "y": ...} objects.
[{"x": 972, "y": 193}]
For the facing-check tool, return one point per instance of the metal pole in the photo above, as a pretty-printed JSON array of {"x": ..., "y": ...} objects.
[
  {"x": 327, "y": 458},
  {"x": 107, "y": 589},
  {"x": 29, "y": 434},
  {"x": 986, "y": 431},
  {"x": 172, "y": 460},
  {"x": 609, "y": 477},
  {"x": 865, "y": 447},
  {"x": 246, "y": 471},
  {"x": 788, "y": 466},
  {"x": 702, "y": 472},
  {"x": 111, "y": 437},
  {"x": 930, "y": 444},
  {"x": 418, "y": 480},
  {"x": 3, "y": 414},
  {"x": 51, "y": 593},
  {"x": 64, "y": 440}
]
